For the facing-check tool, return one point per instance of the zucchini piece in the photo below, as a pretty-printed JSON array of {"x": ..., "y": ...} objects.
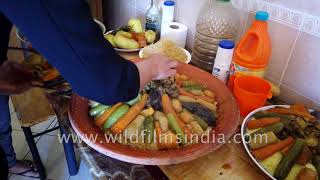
[
  {"x": 276, "y": 128},
  {"x": 263, "y": 140},
  {"x": 288, "y": 161},
  {"x": 201, "y": 122},
  {"x": 98, "y": 110},
  {"x": 189, "y": 83},
  {"x": 265, "y": 114},
  {"x": 149, "y": 130},
  {"x": 115, "y": 116},
  {"x": 195, "y": 87},
  {"x": 174, "y": 126},
  {"x": 93, "y": 104},
  {"x": 135, "y": 100}
]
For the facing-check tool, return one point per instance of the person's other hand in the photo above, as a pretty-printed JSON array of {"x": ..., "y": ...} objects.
[
  {"x": 155, "y": 67},
  {"x": 15, "y": 78}
]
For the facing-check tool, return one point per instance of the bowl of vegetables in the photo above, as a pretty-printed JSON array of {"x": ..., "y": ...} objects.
[
  {"x": 283, "y": 141},
  {"x": 190, "y": 105},
  {"x": 130, "y": 38}
]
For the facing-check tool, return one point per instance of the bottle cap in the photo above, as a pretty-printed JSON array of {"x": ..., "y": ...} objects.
[
  {"x": 262, "y": 15},
  {"x": 169, "y": 3},
  {"x": 226, "y": 44}
]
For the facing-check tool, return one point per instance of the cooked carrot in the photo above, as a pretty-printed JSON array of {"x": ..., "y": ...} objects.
[
  {"x": 286, "y": 150},
  {"x": 158, "y": 132},
  {"x": 185, "y": 93},
  {"x": 178, "y": 82},
  {"x": 295, "y": 112},
  {"x": 305, "y": 156},
  {"x": 167, "y": 108},
  {"x": 101, "y": 119},
  {"x": 125, "y": 120},
  {"x": 263, "y": 122},
  {"x": 299, "y": 107},
  {"x": 269, "y": 150}
]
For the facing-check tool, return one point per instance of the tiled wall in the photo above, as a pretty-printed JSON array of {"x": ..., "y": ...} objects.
[{"x": 294, "y": 29}]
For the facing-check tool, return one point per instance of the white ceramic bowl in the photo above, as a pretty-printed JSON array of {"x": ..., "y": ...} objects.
[{"x": 101, "y": 25}]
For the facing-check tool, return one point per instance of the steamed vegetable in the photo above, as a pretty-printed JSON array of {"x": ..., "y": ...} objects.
[
  {"x": 263, "y": 122},
  {"x": 197, "y": 129},
  {"x": 288, "y": 161},
  {"x": 186, "y": 116},
  {"x": 135, "y": 100},
  {"x": 124, "y": 121},
  {"x": 176, "y": 105},
  {"x": 158, "y": 114},
  {"x": 124, "y": 42},
  {"x": 208, "y": 93},
  {"x": 135, "y": 25},
  {"x": 204, "y": 100},
  {"x": 189, "y": 83},
  {"x": 305, "y": 156},
  {"x": 271, "y": 163},
  {"x": 197, "y": 92},
  {"x": 110, "y": 38},
  {"x": 147, "y": 112},
  {"x": 201, "y": 111},
  {"x": 103, "y": 118},
  {"x": 134, "y": 128},
  {"x": 169, "y": 140},
  {"x": 174, "y": 126},
  {"x": 149, "y": 130},
  {"x": 293, "y": 172},
  {"x": 267, "y": 151},
  {"x": 167, "y": 108},
  {"x": 150, "y": 36},
  {"x": 201, "y": 122},
  {"x": 262, "y": 140},
  {"x": 115, "y": 116},
  {"x": 290, "y": 111},
  {"x": 272, "y": 128},
  {"x": 163, "y": 120},
  {"x": 307, "y": 174},
  {"x": 98, "y": 110}
]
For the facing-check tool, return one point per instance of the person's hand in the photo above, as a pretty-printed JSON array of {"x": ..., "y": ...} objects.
[
  {"x": 155, "y": 67},
  {"x": 15, "y": 78}
]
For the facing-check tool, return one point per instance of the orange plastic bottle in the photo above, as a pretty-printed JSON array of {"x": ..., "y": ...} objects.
[{"x": 253, "y": 52}]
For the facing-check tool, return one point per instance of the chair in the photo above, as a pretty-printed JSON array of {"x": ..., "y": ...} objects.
[{"x": 33, "y": 107}]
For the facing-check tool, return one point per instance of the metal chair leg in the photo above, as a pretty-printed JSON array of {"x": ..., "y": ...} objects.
[
  {"x": 69, "y": 153},
  {"x": 34, "y": 152}
]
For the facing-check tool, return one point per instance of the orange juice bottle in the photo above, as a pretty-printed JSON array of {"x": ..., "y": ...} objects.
[{"x": 251, "y": 56}]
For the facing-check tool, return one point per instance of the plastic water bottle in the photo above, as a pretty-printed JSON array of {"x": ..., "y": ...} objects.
[
  {"x": 218, "y": 20},
  {"x": 153, "y": 18},
  {"x": 223, "y": 60}
]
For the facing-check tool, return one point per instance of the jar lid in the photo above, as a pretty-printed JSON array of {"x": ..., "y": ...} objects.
[
  {"x": 226, "y": 44},
  {"x": 169, "y": 3},
  {"x": 262, "y": 15}
]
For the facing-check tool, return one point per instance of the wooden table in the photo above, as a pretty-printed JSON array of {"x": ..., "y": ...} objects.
[{"x": 229, "y": 162}]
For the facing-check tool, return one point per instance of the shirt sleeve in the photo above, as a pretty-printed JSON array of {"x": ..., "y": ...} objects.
[{"x": 65, "y": 33}]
